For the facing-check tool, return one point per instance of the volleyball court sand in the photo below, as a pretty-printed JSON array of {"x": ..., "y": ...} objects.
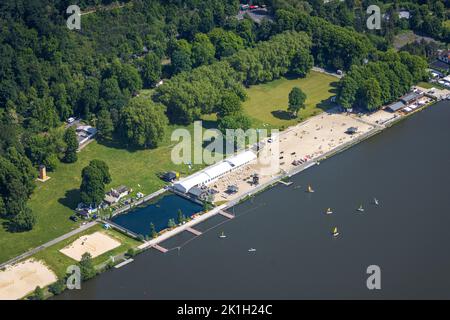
[
  {"x": 96, "y": 244},
  {"x": 18, "y": 280}
]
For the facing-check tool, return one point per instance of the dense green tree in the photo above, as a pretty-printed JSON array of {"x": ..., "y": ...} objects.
[
  {"x": 180, "y": 216},
  {"x": 370, "y": 94},
  {"x": 105, "y": 124},
  {"x": 111, "y": 96},
  {"x": 151, "y": 70},
  {"x": 297, "y": 100},
  {"x": 229, "y": 105},
  {"x": 71, "y": 140},
  {"x": 153, "y": 233},
  {"x": 171, "y": 223},
  {"x": 57, "y": 287},
  {"x": 23, "y": 221},
  {"x": 38, "y": 294},
  {"x": 129, "y": 79},
  {"x": 89, "y": 97},
  {"x": 226, "y": 43},
  {"x": 235, "y": 121},
  {"x": 87, "y": 268},
  {"x": 94, "y": 178},
  {"x": 143, "y": 123},
  {"x": 203, "y": 51}
]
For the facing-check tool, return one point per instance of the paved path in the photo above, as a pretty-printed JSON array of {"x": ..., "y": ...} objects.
[{"x": 48, "y": 244}]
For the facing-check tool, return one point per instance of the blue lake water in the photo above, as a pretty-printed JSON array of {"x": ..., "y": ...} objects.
[{"x": 158, "y": 212}]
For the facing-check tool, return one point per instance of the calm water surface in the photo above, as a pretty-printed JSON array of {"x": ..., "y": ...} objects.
[
  {"x": 406, "y": 167},
  {"x": 158, "y": 212}
]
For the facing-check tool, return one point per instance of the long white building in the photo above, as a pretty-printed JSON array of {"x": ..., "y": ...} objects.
[{"x": 215, "y": 171}]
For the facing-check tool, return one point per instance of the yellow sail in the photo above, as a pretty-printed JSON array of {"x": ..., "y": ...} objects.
[{"x": 335, "y": 230}]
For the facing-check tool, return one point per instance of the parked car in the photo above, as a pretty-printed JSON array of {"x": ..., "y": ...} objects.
[
  {"x": 74, "y": 218},
  {"x": 70, "y": 120}
]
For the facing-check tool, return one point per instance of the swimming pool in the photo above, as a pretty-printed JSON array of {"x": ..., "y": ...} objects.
[{"x": 157, "y": 212}]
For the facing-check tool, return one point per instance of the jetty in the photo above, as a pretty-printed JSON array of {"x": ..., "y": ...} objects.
[
  {"x": 192, "y": 230},
  {"x": 123, "y": 263},
  {"x": 226, "y": 214},
  {"x": 159, "y": 248}
]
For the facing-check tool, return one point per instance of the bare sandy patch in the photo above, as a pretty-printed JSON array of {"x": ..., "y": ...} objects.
[
  {"x": 304, "y": 142},
  {"x": 21, "y": 279},
  {"x": 96, "y": 244}
]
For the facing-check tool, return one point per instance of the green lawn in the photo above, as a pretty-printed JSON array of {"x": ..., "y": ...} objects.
[
  {"x": 53, "y": 201},
  {"x": 267, "y": 103},
  {"x": 58, "y": 262}
]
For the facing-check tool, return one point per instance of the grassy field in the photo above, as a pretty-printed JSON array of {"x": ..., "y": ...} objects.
[
  {"x": 267, "y": 103},
  {"x": 53, "y": 202},
  {"x": 59, "y": 262}
]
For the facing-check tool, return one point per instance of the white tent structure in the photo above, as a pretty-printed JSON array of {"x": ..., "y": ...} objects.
[{"x": 215, "y": 171}]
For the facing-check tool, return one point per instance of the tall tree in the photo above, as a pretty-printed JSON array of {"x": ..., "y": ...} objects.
[
  {"x": 203, "y": 50},
  {"x": 94, "y": 179},
  {"x": 87, "y": 268},
  {"x": 297, "y": 100},
  {"x": 105, "y": 124},
  {"x": 71, "y": 140},
  {"x": 151, "y": 70}
]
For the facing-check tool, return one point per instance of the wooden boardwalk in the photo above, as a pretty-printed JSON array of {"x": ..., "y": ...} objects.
[
  {"x": 191, "y": 230},
  {"x": 226, "y": 214},
  {"x": 159, "y": 248}
]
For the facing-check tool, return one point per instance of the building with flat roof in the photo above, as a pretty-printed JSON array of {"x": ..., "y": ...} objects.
[
  {"x": 410, "y": 98},
  {"x": 215, "y": 171},
  {"x": 395, "y": 106}
]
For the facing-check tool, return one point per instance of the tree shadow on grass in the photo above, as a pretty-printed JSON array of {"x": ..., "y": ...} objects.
[
  {"x": 282, "y": 114},
  {"x": 116, "y": 143},
  {"x": 334, "y": 87},
  {"x": 71, "y": 199},
  {"x": 11, "y": 227}
]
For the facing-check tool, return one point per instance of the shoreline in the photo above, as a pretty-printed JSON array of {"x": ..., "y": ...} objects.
[
  {"x": 378, "y": 128},
  {"x": 263, "y": 186}
]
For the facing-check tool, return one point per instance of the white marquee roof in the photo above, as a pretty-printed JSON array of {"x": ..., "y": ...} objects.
[{"x": 212, "y": 172}]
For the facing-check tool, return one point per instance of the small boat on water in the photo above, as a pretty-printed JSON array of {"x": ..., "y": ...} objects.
[
  {"x": 310, "y": 189},
  {"x": 222, "y": 235},
  {"x": 375, "y": 201},
  {"x": 335, "y": 232},
  {"x": 329, "y": 211},
  {"x": 251, "y": 250},
  {"x": 360, "y": 209}
]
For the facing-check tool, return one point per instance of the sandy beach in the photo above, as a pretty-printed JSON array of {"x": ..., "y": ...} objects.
[
  {"x": 297, "y": 145},
  {"x": 95, "y": 244},
  {"x": 21, "y": 279}
]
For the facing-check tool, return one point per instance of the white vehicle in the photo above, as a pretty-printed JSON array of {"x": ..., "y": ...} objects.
[{"x": 70, "y": 120}]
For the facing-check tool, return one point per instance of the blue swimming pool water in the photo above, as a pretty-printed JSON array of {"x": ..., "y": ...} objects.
[{"x": 158, "y": 213}]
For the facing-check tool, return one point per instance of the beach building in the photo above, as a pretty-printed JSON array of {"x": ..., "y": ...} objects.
[
  {"x": 395, "y": 106},
  {"x": 410, "y": 98},
  {"x": 215, "y": 171}
]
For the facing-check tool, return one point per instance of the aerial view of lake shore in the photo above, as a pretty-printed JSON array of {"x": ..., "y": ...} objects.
[{"x": 405, "y": 168}]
